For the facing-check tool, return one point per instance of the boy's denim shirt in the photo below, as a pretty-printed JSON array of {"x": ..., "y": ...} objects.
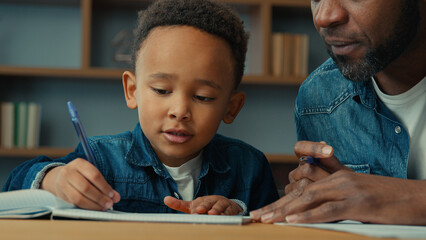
[
  {"x": 230, "y": 168},
  {"x": 349, "y": 116}
]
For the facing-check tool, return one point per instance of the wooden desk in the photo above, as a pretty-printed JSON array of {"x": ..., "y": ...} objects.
[{"x": 63, "y": 230}]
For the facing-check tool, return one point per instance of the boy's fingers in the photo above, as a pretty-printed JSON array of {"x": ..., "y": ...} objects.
[
  {"x": 94, "y": 176},
  {"x": 232, "y": 209},
  {"x": 203, "y": 205},
  {"x": 73, "y": 196},
  {"x": 217, "y": 208},
  {"x": 87, "y": 190},
  {"x": 176, "y": 204}
]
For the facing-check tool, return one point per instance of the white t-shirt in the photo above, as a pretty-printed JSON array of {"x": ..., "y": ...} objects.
[
  {"x": 186, "y": 177},
  {"x": 410, "y": 108}
]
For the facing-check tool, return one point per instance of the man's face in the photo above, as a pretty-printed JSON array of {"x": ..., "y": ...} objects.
[{"x": 364, "y": 36}]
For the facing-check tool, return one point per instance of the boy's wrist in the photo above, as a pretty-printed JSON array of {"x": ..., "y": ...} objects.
[{"x": 41, "y": 181}]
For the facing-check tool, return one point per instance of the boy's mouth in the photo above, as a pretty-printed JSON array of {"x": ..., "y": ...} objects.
[{"x": 177, "y": 136}]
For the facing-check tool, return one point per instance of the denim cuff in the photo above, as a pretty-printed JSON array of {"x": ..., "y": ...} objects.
[
  {"x": 40, "y": 175},
  {"x": 242, "y": 206}
]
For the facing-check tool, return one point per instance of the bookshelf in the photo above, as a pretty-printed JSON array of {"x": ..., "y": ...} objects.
[
  {"x": 259, "y": 14},
  {"x": 259, "y": 17}
]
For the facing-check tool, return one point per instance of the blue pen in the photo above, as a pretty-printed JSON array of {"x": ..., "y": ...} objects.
[
  {"x": 310, "y": 160},
  {"x": 81, "y": 134}
]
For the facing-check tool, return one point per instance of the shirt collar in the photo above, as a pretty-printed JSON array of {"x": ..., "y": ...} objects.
[
  {"x": 364, "y": 91},
  {"x": 141, "y": 153}
]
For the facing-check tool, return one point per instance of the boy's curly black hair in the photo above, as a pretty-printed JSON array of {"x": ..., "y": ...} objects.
[{"x": 211, "y": 17}]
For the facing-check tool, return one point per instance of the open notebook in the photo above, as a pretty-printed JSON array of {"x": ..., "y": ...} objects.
[
  {"x": 372, "y": 230},
  {"x": 33, "y": 203}
]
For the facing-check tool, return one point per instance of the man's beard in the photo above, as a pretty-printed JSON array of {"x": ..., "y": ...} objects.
[{"x": 377, "y": 59}]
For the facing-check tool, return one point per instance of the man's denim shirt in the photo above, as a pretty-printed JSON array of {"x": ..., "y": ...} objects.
[
  {"x": 230, "y": 168},
  {"x": 349, "y": 116}
]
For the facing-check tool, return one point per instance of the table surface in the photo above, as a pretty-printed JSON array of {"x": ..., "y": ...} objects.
[{"x": 76, "y": 229}]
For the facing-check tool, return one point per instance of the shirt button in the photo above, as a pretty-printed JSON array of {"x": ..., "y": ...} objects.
[
  {"x": 397, "y": 129},
  {"x": 176, "y": 195}
]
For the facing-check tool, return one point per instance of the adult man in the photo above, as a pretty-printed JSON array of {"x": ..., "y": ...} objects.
[{"x": 375, "y": 121}]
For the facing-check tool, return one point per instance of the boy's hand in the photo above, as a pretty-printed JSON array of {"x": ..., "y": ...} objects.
[
  {"x": 80, "y": 183},
  {"x": 212, "y": 205}
]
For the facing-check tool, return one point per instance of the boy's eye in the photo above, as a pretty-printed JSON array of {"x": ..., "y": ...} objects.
[
  {"x": 203, "y": 99},
  {"x": 161, "y": 91}
]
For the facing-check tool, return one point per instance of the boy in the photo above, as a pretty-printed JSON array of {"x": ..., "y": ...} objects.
[{"x": 188, "y": 61}]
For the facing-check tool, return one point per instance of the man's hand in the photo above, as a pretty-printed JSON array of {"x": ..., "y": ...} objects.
[
  {"x": 330, "y": 192},
  {"x": 356, "y": 196},
  {"x": 306, "y": 173},
  {"x": 212, "y": 205},
  {"x": 301, "y": 177},
  {"x": 80, "y": 183}
]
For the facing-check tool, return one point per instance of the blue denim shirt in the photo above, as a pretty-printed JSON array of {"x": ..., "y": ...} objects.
[
  {"x": 349, "y": 116},
  {"x": 230, "y": 168}
]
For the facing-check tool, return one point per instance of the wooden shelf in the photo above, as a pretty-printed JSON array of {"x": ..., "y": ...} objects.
[
  {"x": 31, "y": 153},
  {"x": 62, "y": 72},
  {"x": 60, "y": 152},
  {"x": 115, "y": 74}
]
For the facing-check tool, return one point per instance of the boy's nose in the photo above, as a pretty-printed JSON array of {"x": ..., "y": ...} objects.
[
  {"x": 179, "y": 110},
  {"x": 329, "y": 13}
]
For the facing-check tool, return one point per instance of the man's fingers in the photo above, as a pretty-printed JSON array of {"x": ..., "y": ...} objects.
[
  {"x": 314, "y": 149},
  {"x": 316, "y": 194},
  {"x": 280, "y": 212},
  {"x": 176, "y": 204},
  {"x": 327, "y": 212},
  {"x": 309, "y": 171},
  {"x": 298, "y": 186},
  {"x": 260, "y": 213},
  {"x": 323, "y": 152}
]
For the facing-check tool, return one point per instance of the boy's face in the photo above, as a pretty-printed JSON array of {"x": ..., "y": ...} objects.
[{"x": 183, "y": 89}]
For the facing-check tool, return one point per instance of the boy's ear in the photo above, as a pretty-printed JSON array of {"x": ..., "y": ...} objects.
[
  {"x": 235, "y": 104},
  {"x": 129, "y": 85}
]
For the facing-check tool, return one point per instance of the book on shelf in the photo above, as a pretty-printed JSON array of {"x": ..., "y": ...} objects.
[
  {"x": 36, "y": 203},
  {"x": 34, "y": 123},
  {"x": 21, "y": 120},
  {"x": 289, "y": 54},
  {"x": 7, "y": 125},
  {"x": 277, "y": 54},
  {"x": 20, "y": 124}
]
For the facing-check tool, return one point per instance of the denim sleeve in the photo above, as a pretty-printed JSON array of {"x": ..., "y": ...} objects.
[
  {"x": 31, "y": 172},
  {"x": 264, "y": 190}
]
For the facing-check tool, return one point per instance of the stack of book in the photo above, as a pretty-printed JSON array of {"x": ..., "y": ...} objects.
[
  {"x": 20, "y": 125},
  {"x": 290, "y": 54}
]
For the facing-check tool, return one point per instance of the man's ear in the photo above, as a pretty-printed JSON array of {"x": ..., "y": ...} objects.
[
  {"x": 129, "y": 85},
  {"x": 235, "y": 104}
]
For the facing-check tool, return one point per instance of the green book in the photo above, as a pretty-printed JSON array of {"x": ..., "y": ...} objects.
[{"x": 21, "y": 118}]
